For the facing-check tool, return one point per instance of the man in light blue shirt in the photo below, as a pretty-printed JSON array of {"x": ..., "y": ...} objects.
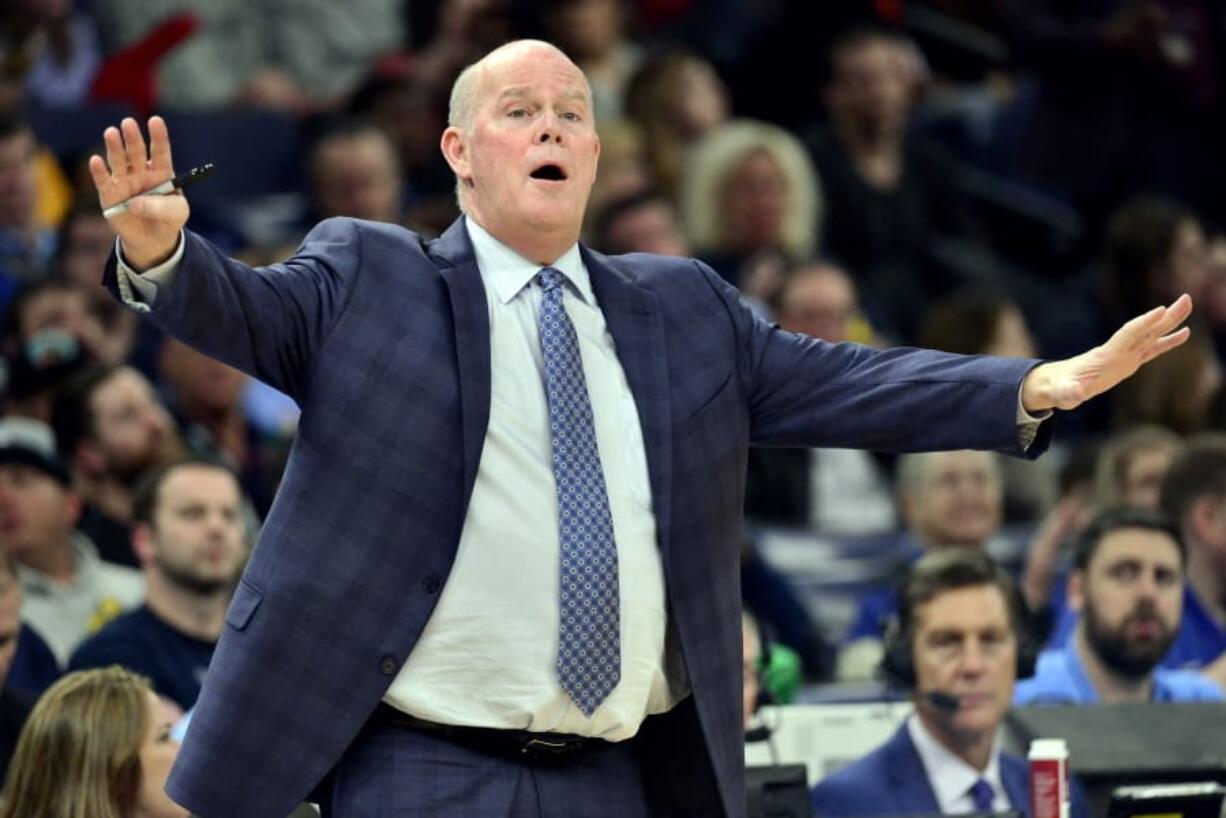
[{"x": 1127, "y": 584}]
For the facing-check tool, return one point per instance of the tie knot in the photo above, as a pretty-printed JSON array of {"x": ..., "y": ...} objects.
[
  {"x": 982, "y": 795},
  {"x": 549, "y": 278}
]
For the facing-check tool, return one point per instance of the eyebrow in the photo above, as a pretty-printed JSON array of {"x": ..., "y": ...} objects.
[{"x": 519, "y": 91}]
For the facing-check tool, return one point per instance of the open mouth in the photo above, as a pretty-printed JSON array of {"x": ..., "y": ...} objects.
[{"x": 549, "y": 173}]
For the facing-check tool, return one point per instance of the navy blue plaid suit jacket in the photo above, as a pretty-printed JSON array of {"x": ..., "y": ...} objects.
[{"x": 383, "y": 339}]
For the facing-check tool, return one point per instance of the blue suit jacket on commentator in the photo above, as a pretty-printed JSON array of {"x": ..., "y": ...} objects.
[
  {"x": 383, "y": 339},
  {"x": 891, "y": 780}
]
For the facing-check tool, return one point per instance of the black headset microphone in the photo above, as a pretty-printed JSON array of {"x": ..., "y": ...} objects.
[{"x": 942, "y": 700}]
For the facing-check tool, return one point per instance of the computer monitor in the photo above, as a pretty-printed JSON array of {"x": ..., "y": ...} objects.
[
  {"x": 1119, "y": 745},
  {"x": 1200, "y": 799},
  {"x": 777, "y": 791}
]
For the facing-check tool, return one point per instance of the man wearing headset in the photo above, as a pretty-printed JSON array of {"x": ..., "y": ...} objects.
[{"x": 959, "y": 643}]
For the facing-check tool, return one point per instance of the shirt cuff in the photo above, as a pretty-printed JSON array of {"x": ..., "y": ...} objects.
[
  {"x": 140, "y": 290},
  {"x": 1028, "y": 424}
]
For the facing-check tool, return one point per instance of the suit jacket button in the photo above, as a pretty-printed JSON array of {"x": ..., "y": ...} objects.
[
  {"x": 388, "y": 665},
  {"x": 431, "y": 583}
]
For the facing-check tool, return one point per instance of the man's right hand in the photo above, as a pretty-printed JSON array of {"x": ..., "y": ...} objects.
[{"x": 149, "y": 229}]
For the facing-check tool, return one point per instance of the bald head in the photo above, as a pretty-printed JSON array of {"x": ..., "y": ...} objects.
[{"x": 466, "y": 91}]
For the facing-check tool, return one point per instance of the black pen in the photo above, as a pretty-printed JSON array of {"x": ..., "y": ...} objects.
[{"x": 164, "y": 189}]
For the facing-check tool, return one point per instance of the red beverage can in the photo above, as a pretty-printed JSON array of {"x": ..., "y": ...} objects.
[{"x": 1049, "y": 796}]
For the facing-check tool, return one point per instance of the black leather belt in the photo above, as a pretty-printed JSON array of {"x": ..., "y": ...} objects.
[{"x": 516, "y": 745}]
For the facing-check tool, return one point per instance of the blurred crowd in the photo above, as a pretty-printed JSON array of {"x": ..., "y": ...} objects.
[{"x": 1012, "y": 177}]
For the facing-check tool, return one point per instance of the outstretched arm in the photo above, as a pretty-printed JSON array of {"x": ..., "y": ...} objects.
[{"x": 266, "y": 321}]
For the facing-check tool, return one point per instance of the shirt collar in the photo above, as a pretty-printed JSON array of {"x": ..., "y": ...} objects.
[
  {"x": 949, "y": 776},
  {"x": 509, "y": 272}
]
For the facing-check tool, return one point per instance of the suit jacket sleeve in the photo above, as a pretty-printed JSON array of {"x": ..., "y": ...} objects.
[
  {"x": 806, "y": 392},
  {"x": 267, "y": 321}
]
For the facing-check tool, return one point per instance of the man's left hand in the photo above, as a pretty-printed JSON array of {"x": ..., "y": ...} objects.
[{"x": 1069, "y": 383}]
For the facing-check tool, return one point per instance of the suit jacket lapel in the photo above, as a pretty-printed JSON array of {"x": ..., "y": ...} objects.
[
  {"x": 471, "y": 323},
  {"x": 908, "y": 780},
  {"x": 1015, "y": 775},
  {"x": 637, "y": 326}
]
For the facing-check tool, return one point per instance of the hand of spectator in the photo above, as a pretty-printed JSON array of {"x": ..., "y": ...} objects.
[
  {"x": 149, "y": 229},
  {"x": 1064, "y": 522},
  {"x": 1069, "y": 383}
]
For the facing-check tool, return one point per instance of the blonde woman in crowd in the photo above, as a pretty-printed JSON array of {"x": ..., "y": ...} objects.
[
  {"x": 750, "y": 190},
  {"x": 97, "y": 745}
]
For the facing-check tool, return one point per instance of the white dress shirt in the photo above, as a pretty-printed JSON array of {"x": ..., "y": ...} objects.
[
  {"x": 951, "y": 778},
  {"x": 487, "y": 655}
]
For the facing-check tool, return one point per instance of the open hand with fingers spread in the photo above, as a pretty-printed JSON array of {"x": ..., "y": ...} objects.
[
  {"x": 1069, "y": 383},
  {"x": 149, "y": 228}
]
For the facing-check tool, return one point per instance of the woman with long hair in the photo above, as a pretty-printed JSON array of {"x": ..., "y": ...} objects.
[{"x": 97, "y": 745}]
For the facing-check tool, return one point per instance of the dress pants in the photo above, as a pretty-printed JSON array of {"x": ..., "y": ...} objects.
[{"x": 392, "y": 771}]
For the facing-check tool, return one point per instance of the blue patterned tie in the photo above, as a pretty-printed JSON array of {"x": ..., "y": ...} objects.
[
  {"x": 982, "y": 795},
  {"x": 589, "y": 644}
]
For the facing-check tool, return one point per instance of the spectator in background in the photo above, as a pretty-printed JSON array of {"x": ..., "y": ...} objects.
[
  {"x": 643, "y": 222},
  {"x": 206, "y": 398},
  {"x": 112, "y": 429},
  {"x": 948, "y": 500},
  {"x": 68, "y": 590},
  {"x": 1132, "y": 466},
  {"x": 48, "y": 54},
  {"x": 749, "y": 190},
  {"x": 592, "y": 33},
  {"x": 1194, "y": 498},
  {"x": 979, "y": 322},
  {"x": 403, "y": 108},
  {"x": 354, "y": 172},
  {"x": 107, "y": 738},
  {"x": 1153, "y": 247},
  {"x": 26, "y": 247},
  {"x": 832, "y": 492},
  {"x": 31, "y": 667},
  {"x": 888, "y": 197},
  {"x": 624, "y": 169},
  {"x": 295, "y": 56},
  {"x": 50, "y": 318},
  {"x": 188, "y": 533},
  {"x": 1127, "y": 585},
  {"x": 15, "y": 704},
  {"x": 85, "y": 241},
  {"x": 959, "y": 644},
  {"x": 1128, "y": 473},
  {"x": 675, "y": 99}
]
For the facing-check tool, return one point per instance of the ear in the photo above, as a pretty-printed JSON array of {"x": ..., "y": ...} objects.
[
  {"x": 455, "y": 150},
  {"x": 73, "y": 507},
  {"x": 1204, "y": 519},
  {"x": 1075, "y": 591},
  {"x": 142, "y": 542}
]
